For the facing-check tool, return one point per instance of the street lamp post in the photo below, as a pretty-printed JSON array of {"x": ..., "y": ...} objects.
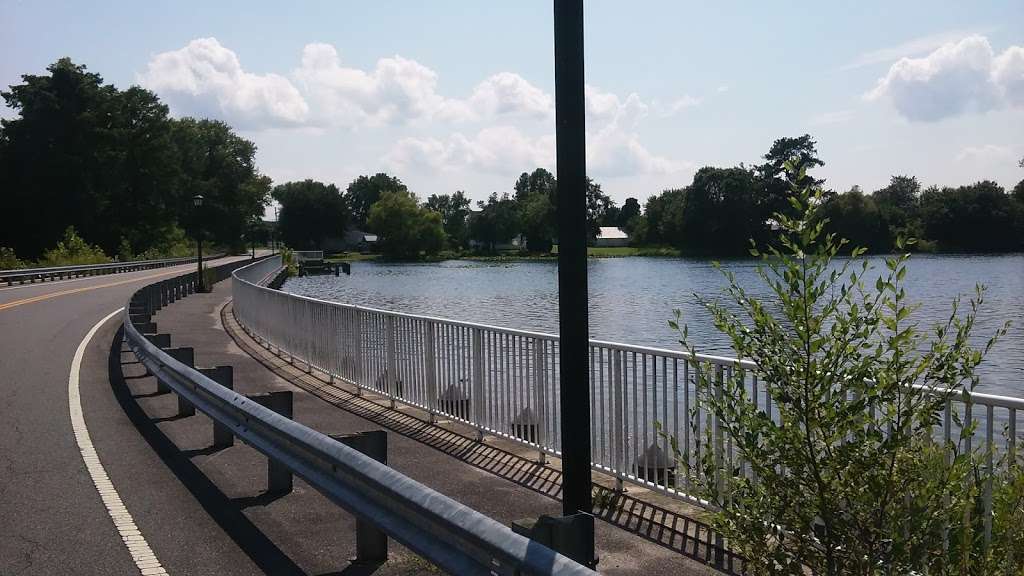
[
  {"x": 197, "y": 202},
  {"x": 252, "y": 236}
]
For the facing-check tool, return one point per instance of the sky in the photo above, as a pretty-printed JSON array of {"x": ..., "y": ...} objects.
[{"x": 459, "y": 95}]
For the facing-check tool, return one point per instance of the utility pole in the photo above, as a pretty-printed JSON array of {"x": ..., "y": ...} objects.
[{"x": 574, "y": 339}]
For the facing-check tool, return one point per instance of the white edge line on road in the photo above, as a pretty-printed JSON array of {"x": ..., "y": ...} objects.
[{"x": 139, "y": 549}]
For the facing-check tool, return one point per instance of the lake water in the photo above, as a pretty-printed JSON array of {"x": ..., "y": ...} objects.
[{"x": 632, "y": 299}]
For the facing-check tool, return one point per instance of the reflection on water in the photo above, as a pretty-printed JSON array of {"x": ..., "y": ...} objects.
[{"x": 631, "y": 299}]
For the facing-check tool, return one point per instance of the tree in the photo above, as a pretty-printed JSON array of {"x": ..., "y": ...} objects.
[
  {"x": 57, "y": 155},
  {"x": 454, "y": 211},
  {"x": 722, "y": 212},
  {"x": 898, "y": 208},
  {"x": 979, "y": 217},
  {"x": 364, "y": 191},
  {"x": 848, "y": 475},
  {"x": 540, "y": 181},
  {"x": 630, "y": 209},
  {"x": 496, "y": 221},
  {"x": 599, "y": 207},
  {"x": 405, "y": 230},
  {"x": 310, "y": 213},
  {"x": 854, "y": 216},
  {"x": 771, "y": 182},
  {"x": 220, "y": 165}
]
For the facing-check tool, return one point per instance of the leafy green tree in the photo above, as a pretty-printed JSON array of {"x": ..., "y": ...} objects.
[
  {"x": 310, "y": 213},
  {"x": 979, "y": 217},
  {"x": 663, "y": 215},
  {"x": 630, "y": 209},
  {"x": 599, "y": 208},
  {"x": 847, "y": 475},
  {"x": 898, "y": 208},
  {"x": 56, "y": 155},
  {"x": 722, "y": 212},
  {"x": 855, "y": 216},
  {"x": 220, "y": 165},
  {"x": 406, "y": 231},
  {"x": 363, "y": 192},
  {"x": 454, "y": 211},
  {"x": 496, "y": 221},
  {"x": 540, "y": 181}
]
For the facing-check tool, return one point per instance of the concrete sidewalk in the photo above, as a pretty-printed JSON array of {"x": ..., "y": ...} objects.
[{"x": 303, "y": 533}]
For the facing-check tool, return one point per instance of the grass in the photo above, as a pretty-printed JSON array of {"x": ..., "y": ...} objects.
[{"x": 351, "y": 257}]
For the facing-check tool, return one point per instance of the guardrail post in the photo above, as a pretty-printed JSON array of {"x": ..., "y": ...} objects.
[
  {"x": 371, "y": 542},
  {"x": 187, "y": 356},
  {"x": 279, "y": 477},
  {"x": 223, "y": 375},
  {"x": 572, "y": 536}
]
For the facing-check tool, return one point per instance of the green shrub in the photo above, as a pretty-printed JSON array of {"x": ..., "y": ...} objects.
[
  {"x": 850, "y": 478},
  {"x": 9, "y": 260},
  {"x": 73, "y": 250}
]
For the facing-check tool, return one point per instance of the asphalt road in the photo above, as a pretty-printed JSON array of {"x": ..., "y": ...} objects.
[{"x": 52, "y": 518}]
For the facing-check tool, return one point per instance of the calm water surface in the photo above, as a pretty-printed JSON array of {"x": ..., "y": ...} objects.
[{"x": 632, "y": 299}]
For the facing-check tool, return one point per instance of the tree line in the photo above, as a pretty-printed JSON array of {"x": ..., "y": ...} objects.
[
  {"x": 718, "y": 214},
  {"x": 113, "y": 168}
]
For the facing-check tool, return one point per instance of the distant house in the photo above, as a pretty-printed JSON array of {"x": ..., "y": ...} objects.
[
  {"x": 517, "y": 242},
  {"x": 351, "y": 241},
  {"x": 611, "y": 236}
]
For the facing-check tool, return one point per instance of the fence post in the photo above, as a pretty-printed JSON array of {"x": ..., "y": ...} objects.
[
  {"x": 477, "y": 401},
  {"x": 617, "y": 420},
  {"x": 359, "y": 339},
  {"x": 392, "y": 361},
  {"x": 223, "y": 375},
  {"x": 719, "y": 461},
  {"x": 371, "y": 542},
  {"x": 538, "y": 398},
  {"x": 279, "y": 477},
  {"x": 431, "y": 361}
]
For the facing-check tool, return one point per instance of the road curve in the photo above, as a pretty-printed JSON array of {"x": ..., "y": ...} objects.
[{"x": 52, "y": 518}]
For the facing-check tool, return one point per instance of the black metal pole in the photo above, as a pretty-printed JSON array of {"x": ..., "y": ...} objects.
[
  {"x": 570, "y": 132},
  {"x": 199, "y": 260}
]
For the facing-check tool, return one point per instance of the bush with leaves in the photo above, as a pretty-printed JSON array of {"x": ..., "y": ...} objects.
[
  {"x": 849, "y": 475},
  {"x": 9, "y": 260},
  {"x": 73, "y": 250}
]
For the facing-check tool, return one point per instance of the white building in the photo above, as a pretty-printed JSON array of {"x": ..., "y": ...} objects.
[{"x": 611, "y": 236}]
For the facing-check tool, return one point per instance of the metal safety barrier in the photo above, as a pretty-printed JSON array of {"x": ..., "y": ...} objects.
[
  {"x": 23, "y": 275},
  {"x": 505, "y": 382},
  {"x": 449, "y": 534}
]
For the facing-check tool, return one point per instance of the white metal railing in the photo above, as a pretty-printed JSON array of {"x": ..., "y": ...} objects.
[{"x": 505, "y": 382}]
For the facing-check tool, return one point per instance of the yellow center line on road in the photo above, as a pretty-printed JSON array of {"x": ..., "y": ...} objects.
[{"x": 42, "y": 297}]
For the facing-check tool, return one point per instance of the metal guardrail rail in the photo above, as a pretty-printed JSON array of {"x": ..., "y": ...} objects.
[
  {"x": 23, "y": 275},
  {"x": 504, "y": 382},
  {"x": 453, "y": 536}
]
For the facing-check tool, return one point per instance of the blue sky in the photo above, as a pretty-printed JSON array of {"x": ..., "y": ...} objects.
[{"x": 457, "y": 95}]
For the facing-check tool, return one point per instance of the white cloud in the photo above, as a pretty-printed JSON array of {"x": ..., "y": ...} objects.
[
  {"x": 987, "y": 154},
  {"x": 506, "y": 93},
  {"x": 610, "y": 153},
  {"x": 207, "y": 79},
  {"x": 915, "y": 47},
  {"x": 957, "y": 78},
  {"x": 830, "y": 118},
  {"x": 397, "y": 90},
  {"x": 496, "y": 150}
]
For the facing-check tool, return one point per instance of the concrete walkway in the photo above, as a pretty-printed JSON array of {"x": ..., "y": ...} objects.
[{"x": 303, "y": 533}]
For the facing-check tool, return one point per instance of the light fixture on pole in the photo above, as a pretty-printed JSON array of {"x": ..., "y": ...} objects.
[{"x": 197, "y": 202}]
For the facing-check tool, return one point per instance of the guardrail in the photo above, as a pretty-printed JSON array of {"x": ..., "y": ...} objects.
[
  {"x": 445, "y": 532},
  {"x": 505, "y": 382},
  {"x": 23, "y": 275}
]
